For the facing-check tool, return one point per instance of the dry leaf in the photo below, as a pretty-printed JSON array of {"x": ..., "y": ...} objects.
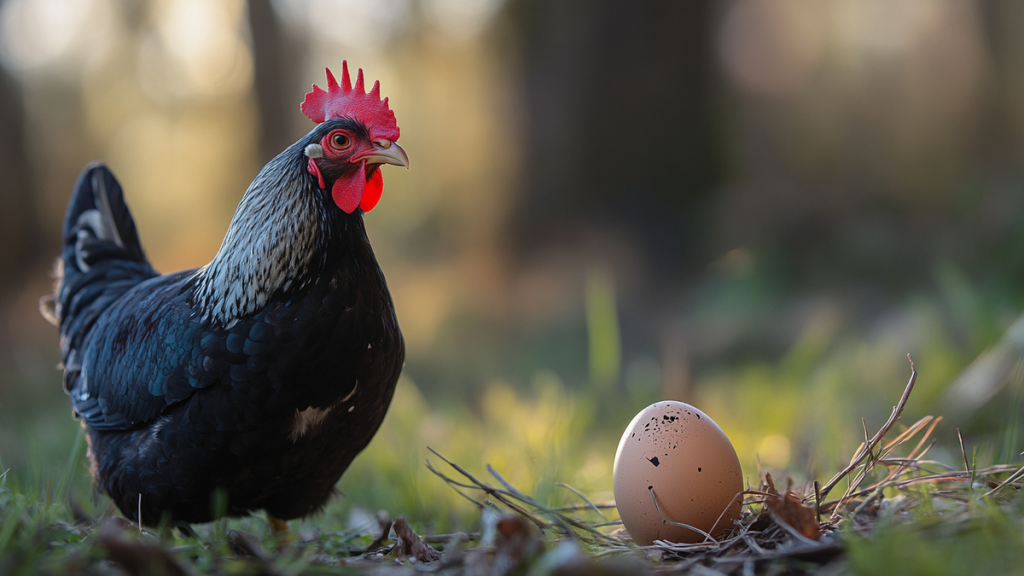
[
  {"x": 787, "y": 508},
  {"x": 411, "y": 546}
]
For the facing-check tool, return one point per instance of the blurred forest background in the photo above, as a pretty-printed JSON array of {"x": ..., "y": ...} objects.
[{"x": 756, "y": 206}]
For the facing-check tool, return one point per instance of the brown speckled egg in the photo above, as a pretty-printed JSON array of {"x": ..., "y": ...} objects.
[{"x": 675, "y": 453}]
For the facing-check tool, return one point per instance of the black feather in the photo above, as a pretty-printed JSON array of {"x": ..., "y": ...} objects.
[{"x": 178, "y": 405}]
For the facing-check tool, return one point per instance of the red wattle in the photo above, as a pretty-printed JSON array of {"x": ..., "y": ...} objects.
[
  {"x": 371, "y": 194},
  {"x": 348, "y": 190},
  {"x": 315, "y": 171}
]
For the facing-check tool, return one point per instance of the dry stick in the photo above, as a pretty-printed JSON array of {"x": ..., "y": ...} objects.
[
  {"x": 902, "y": 466},
  {"x": 680, "y": 524},
  {"x": 967, "y": 465},
  {"x": 931, "y": 479},
  {"x": 563, "y": 521},
  {"x": 514, "y": 492},
  {"x": 817, "y": 501},
  {"x": 752, "y": 544},
  {"x": 919, "y": 465},
  {"x": 453, "y": 483},
  {"x": 738, "y": 496},
  {"x": 905, "y": 437},
  {"x": 913, "y": 459},
  {"x": 430, "y": 466},
  {"x": 721, "y": 545},
  {"x": 874, "y": 458},
  {"x": 503, "y": 496},
  {"x": 497, "y": 494},
  {"x": 876, "y": 489},
  {"x": 896, "y": 411},
  {"x": 900, "y": 440},
  {"x": 577, "y": 507},
  {"x": 854, "y": 483},
  {"x": 717, "y": 547},
  {"x": 867, "y": 501},
  {"x": 899, "y": 469},
  {"x": 580, "y": 494},
  {"x": 1012, "y": 478}
]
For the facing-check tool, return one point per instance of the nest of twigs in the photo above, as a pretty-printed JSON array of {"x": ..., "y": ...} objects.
[{"x": 803, "y": 528}]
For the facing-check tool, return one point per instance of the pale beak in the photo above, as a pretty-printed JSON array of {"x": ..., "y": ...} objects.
[{"x": 386, "y": 152}]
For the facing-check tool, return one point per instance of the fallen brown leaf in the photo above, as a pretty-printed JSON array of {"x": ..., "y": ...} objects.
[
  {"x": 410, "y": 546},
  {"x": 787, "y": 508}
]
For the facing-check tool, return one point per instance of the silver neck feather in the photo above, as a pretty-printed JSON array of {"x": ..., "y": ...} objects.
[{"x": 269, "y": 246}]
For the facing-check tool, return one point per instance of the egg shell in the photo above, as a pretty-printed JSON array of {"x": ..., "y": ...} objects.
[{"x": 679, "y": 453}]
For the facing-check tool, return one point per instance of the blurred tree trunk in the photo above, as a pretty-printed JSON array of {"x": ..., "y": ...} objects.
[
  {"x": 622, "y": 132},
  {"x": 1003, "y": 147},
  {"x": 20, "y": 235},
  {"x": 278, "y": 58}
]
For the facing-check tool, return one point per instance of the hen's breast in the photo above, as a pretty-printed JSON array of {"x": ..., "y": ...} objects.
[{"x": 331, "y": 352}]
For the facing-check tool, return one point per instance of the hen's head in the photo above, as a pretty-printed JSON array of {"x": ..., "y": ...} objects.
[{"x": 358, "y": 134}]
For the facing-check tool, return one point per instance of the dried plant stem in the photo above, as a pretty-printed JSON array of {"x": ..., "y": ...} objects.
[
  {"x": 516, "y": 501},
  {"x": 1011, "y": 479},
  {"x": 866, "y": 450},
  {"x": 580, "y": 494},
  {"x": 680, "y": 524}
]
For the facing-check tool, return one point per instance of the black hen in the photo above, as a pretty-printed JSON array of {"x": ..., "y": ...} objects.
[{"x": 263, "y": 373}]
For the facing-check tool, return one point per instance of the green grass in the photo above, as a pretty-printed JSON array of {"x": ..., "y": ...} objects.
[
  {"x": 798, "y": 416},
  {"x": 988, "y": 542}
]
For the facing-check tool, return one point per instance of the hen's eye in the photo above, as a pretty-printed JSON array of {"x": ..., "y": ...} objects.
[{"x": 339, "y": 141}]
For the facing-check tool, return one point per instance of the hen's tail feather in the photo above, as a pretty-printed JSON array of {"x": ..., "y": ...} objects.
[
  {"x": 102, "y": 257},
  {"x": 98, "y": 224}
]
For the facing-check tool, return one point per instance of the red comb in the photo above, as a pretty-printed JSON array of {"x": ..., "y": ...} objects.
[{"x": 346, "y": 100}]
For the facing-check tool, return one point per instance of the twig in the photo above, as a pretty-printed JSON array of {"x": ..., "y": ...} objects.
[
  {"x": 497, "y": 494},
  {"x": 453, "y": 484},
  {"x": 967, "y": 465},
  {"x": 580, "y": 494},
  {"x": 866, "y": 450},
  {"x": 575, "y": 507},
  {"x": 817, "y": 500},
  {"x": 507, "y": 497},
  {"x": 515, "y": 493},
  {"x": 1012, "y": 478},
  {"x": 680, "y": 524}
]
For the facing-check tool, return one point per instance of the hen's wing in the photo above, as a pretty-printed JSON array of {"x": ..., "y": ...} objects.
[{"x": 129, "y": 341}]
